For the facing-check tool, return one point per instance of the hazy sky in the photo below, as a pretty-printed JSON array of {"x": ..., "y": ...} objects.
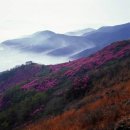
[{"x": 21, "y": 17}]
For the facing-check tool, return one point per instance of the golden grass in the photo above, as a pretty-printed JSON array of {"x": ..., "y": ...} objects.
[{"x": 101, "y": 114}]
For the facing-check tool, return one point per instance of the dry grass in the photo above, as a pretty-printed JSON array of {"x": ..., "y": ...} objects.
[{"x": 101, "y": 114}]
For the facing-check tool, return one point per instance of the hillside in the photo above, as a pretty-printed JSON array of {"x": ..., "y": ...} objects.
[
  {"x": 105, "y": 110},
  {"x": 87, "y": 85},
  {"x": 18, "y": 75},
  {"x": 59, "y": 48},
  {"x": 49, "y": 43},
  {"x": 103, "y": 37}
]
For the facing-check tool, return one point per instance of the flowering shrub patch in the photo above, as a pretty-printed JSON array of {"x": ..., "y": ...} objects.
[
  {"x": 44, "y": 85},
  {"x": 30, "y": 85},
  {"x": 47, "y": 84},
  {"x": 80, "y": 83}
]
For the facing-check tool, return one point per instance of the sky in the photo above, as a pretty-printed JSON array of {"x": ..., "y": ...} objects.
[
  {"x": 22, "y": 17},
  {"x": 19, "y": 18}
]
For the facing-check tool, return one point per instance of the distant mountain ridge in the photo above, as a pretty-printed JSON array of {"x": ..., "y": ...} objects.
[
  {"x": 80, "y": 32},
  {"x": 104, "y": 36},
  {"x": 50, "y": 43},
  {"x": 68, "y": 46}
]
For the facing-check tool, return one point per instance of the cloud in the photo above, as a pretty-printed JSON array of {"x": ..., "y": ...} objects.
[{"x": 10, "y": 58}]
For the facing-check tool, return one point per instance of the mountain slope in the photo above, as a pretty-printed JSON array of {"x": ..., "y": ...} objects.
[
  {"x": 104, "y": 36},
  {"x": 51, "y": 44},
  {"x": 18, "y": 75},
  {"x": 71, "y": 68},
  {"x": 105, "y": 104},
  {"x": 105, "y": 110},
  {"x": 54, "y": 89},
  {"x": 46, "y": 42}
]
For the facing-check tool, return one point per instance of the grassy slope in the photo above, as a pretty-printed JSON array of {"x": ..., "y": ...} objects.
[
  {"x": 101, "y": 111},
  {"x": 84, "y": 78},
  {"x": 102, "y": 107}
]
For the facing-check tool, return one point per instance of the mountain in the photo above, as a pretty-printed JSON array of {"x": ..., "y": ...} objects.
[
  {"x": 49, "y": 43},
  {"x": 88, "y": 93},
  {"x": 104, "y": 36},
  {"x": 80, "y": 32}
]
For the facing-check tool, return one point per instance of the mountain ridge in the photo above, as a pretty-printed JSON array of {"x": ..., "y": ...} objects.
[
  {"x": 103, "y": 38},
  {"x": 80, "y": 32},
  {"x": 52, "y": 44}
]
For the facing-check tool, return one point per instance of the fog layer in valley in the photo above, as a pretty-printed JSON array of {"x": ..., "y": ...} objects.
[
  {"x": 10, "y": 58},
  {"x": 47, "y": 47}
]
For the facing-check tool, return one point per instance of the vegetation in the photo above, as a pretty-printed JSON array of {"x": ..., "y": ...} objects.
[
  {"x": 101, "y": 111},
  {"x": 19, "y": 105},
  {"x": 92, "y": 93}
]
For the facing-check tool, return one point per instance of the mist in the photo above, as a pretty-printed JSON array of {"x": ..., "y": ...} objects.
[{"x": 10, "y": 58}]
